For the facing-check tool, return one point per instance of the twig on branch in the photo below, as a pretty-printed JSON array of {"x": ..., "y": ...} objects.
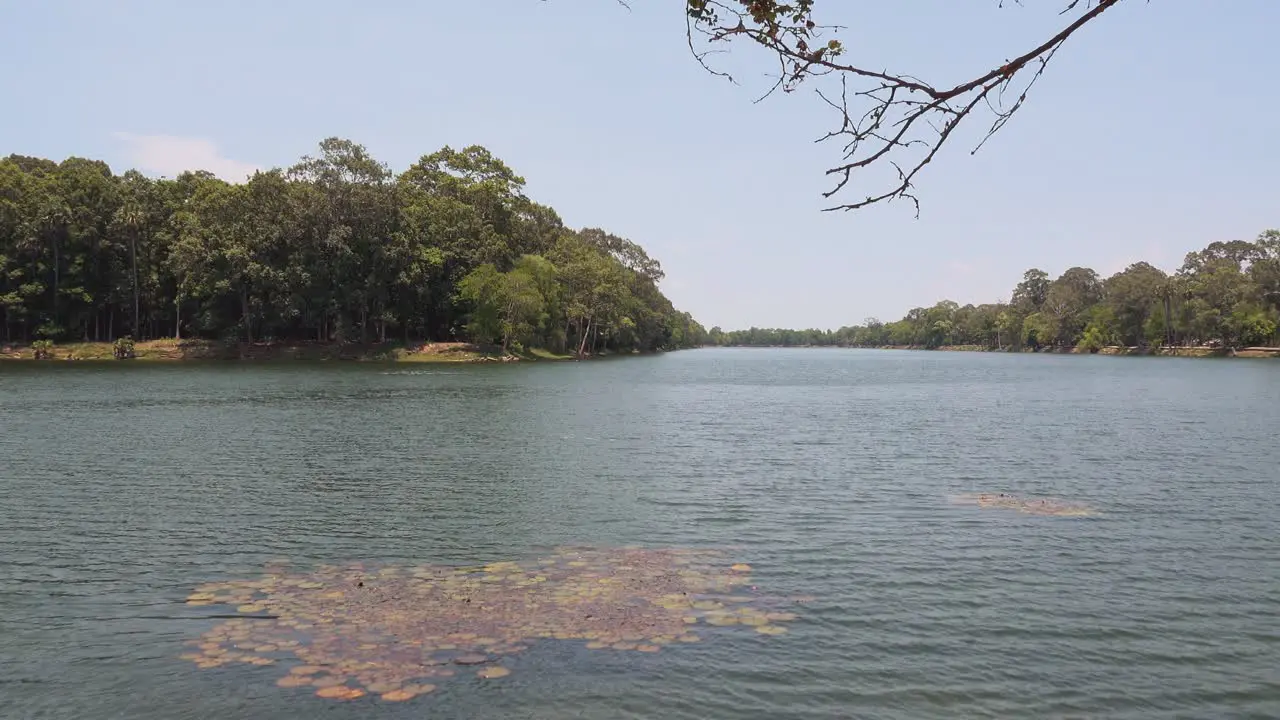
[{"x": 900, "y": 108}]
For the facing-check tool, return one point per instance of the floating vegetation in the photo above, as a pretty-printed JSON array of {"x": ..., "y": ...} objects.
[
  {"x": 1028, "y": 505},
  {"x": 384, "y": 631}
]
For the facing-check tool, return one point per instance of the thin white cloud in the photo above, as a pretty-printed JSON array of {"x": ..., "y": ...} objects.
[{"x": 171, "y": 155}]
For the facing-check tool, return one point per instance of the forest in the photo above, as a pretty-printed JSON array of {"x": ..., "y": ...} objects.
[
  {"x": 1227, "y": 294},
  {"x": 336, "y": 248}
]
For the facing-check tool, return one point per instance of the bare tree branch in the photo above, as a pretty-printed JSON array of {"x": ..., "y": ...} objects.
[{"x": 901, "y": 111}]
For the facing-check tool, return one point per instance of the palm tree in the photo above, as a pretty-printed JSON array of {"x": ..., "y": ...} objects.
[
  {"x": 52, "y": 225},
  {"x": 131, "y": 217}
]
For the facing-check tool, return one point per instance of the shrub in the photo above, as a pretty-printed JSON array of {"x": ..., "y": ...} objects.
[{"x": 123, "y": 348}]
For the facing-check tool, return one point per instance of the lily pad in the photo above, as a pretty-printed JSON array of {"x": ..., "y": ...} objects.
[
  {"x": 339, "y": 692},
  {"x": 384, "y": 630}
]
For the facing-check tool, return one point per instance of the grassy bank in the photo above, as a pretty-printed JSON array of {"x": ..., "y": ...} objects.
[
  {"x": 1200, "y": 352},
  {"x": 170, "y": 350},
  {"x": 1247, "y": 352}
]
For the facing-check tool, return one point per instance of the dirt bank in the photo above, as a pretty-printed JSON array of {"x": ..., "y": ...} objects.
[
  {"x": 1200, "y": 352},
  {"x": 170, "y": 350}
]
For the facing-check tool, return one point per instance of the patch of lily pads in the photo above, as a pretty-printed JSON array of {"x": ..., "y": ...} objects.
[
  {"x": 395, "y": 631},
  {"x": 1029, "y": 505}
]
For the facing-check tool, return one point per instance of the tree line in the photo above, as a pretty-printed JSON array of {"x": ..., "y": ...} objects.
[
  {"x": 1226, "y": 294},
  {"x": 336, "y": 248}
]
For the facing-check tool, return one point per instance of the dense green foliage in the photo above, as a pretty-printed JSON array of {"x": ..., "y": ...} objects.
[
  {"x": 1228, "y": 294},
  {"x": 335, "y": 248}
]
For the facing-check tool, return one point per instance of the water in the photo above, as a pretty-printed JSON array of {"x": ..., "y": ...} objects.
[{"x": 123, "y": 486}]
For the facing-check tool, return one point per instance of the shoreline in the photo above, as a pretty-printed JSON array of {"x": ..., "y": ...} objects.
[
  {"x": 196, "y": 350},
  {"x": 176, "y": 351},
  {"x": 1116, "y": 350}
]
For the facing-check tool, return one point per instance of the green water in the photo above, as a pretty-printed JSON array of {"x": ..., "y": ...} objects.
[{"x": 829, "y": 471}]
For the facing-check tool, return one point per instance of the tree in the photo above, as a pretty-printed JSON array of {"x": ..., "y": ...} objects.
[
  {"x": 351, "y": 210},
  {"x": 1218, "y": 292},
  {"x": 1038, "y": 329},
  {"x": 1135, "y": 295},
  {"x": 334, "y": 248},
  {"x": 1101, "y": 330},
  {"x": 1068, "y": 299},
  {"x": 595, "y": 288},
  {"x": 131, "y": 221},
  {"x": 1228, "y": 292},
  {"x": 1003, "y": 324},
  {"x": 1030, "y": 294},
  {"x": 1264, "y": 271},
  {"x": 884, "y": 117},
  {"x": 509, "y": 305}
]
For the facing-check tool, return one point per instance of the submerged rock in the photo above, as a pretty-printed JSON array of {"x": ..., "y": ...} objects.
[{"x": 1028, "y": 505}]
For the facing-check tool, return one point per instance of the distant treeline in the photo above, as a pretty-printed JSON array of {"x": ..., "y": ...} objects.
[
  {"x": 335, "y": 248},
  {"x": 1228, "y": 293}
]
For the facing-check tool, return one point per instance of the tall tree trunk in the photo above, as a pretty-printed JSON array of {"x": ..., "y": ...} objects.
[
  {"x": 133, "y": 258},
  {"x": 177, "y": 318},
  {"x": 582, "y": 345},
  {"x": 244, "y": 313},
  {"x": 56, "y": 263}
]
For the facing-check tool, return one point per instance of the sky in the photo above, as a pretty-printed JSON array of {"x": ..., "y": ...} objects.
[{"x": 1151, "y": 134}]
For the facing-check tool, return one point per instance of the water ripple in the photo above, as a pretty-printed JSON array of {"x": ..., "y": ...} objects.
[{"x": 829, "y": 472}]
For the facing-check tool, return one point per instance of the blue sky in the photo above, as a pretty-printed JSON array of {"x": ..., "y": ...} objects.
[{"x": 1152, "y": 134}]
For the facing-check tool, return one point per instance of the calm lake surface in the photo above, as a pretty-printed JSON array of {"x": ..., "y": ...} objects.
[{"x": 123, "y": 486}]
